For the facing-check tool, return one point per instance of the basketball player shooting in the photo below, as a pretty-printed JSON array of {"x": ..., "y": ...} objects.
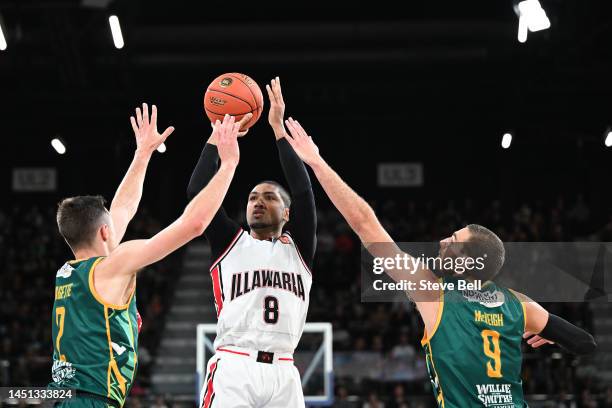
[
  {"x": 261, "y": 281},
  {"x": 95, "y": 322},
  {"x": 473, "y": 349}
]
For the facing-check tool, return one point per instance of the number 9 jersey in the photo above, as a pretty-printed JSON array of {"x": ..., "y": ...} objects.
[
  {"x": 474, "y": 351},
  {"x": 261, "y": 290}
]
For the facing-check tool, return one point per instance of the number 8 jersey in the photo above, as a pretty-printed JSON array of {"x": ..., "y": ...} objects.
[
  {"x": 474, "y": 352},
  {"x": 261, "y": 290}
]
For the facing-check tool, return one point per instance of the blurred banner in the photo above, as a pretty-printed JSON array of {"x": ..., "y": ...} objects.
[
  {"x": 34, "y": 179},
  {"x": 400, "y": 174}
]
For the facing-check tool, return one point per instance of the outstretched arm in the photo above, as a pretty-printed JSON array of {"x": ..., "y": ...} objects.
[
  {"x": 131, "y": 256},
  {"x": 222, "y": 228},
  {"x": 302, "y": 215},
  {"x": 127, "y": 197},
  {"x": 362, "y": 219}
]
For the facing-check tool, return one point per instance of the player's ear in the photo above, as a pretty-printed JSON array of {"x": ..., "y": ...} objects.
[
  {"x": 105, "y": 232},
  {"x": 286, "y": 214}
]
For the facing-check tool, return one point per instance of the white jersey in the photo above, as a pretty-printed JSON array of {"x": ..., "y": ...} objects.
[{"x": 261, "y": 293}]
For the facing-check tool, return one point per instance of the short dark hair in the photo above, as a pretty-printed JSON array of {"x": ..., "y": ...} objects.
[
  {"x": 78, "y": 219},
  {"x": 484, "y": 241},
  {"x": 283, "y": 192}
]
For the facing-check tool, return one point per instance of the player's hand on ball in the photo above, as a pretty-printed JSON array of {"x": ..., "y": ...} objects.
[
  {"x": 535, "y": 340},
  {"x": 277, "y": 105},
  {"x": 145, "y": 130},
  {"x": 226, "y": 134},
  {"x": 303, "y": 145},
  {"x": 245, "y": 119}
]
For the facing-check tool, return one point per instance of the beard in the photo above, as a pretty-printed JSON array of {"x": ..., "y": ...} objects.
[{"x": 260, "y": 225}]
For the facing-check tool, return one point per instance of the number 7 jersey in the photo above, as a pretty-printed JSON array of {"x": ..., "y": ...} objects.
[
  {"x": 95, "y": 343},
  {"x": 261, "y": 290},
  {"x": 474, "y": 351}
]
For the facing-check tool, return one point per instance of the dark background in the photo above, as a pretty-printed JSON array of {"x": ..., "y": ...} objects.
[{"x": 435, "y": 82}]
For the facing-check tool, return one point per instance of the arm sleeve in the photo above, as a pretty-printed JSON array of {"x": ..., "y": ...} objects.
[
  {"x": 568, "y": 336},
  {"x": 302, "y": 214},
  {"x": 222, "y": 229}
]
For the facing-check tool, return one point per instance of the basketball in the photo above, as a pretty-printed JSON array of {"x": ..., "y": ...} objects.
[{"x": 233, "y": 94}]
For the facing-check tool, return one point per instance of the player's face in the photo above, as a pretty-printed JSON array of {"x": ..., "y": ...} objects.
[
  {"x": 451, "y": 246},
  {"x": 265, "y": 207}
]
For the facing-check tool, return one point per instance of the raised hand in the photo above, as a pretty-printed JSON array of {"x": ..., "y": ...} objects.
[
  {"x": 277, "y": 107},
  {"x": 145, "y": 130},
  {"x": 245, "y": 119},
  {"x": 535, "y": 340},
  {"x": 303, "y": 145},
  {"x": 226, "y": 134}
]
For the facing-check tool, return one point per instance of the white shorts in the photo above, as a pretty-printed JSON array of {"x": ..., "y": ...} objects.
[{"x": 235, "y": 379}]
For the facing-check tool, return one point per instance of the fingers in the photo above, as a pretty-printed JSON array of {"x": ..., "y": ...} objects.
[
  {"x": 279, "y": 92},
  {"x": 226, "y": 128},
  {"x": 527, "y": 334},
  {"x": 154, "y": 116},
  {"x": 292, "y": 130},
  {"x": 139, "y": 117},
  {"x": 245, "y": 119},
  {"x": 270, "y": 95},
  {"x": 298, "y": 131},
  {"x": 134, "y": 125},
  {"x": 167, "y": 133},
  {"x": 145, "y": 113},
  {"x": 539, "y": 343}
]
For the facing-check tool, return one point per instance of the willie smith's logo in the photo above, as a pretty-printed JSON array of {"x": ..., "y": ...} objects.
[{"x": 225, "y": 82}]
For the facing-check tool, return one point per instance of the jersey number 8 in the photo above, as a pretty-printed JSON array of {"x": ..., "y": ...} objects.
[{"x": 270, "y": 310}]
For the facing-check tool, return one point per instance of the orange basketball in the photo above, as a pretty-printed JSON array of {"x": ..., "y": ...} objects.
[{"x": 233, "y": 94}]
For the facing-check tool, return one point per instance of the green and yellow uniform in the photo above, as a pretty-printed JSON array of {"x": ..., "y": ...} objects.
[
  {"x": 95, "y": 343},
  {"x": 474, "y": 350}
]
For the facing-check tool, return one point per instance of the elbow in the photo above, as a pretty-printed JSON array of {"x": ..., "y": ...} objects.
[{"x": 194, "y": 227}]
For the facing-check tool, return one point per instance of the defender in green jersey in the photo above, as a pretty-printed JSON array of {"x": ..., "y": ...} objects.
[
  {"x": 472, "y": 335},
  {"x": 94, "y": 318},
  {"x": 473, "y": 353},
  {"x": 101, "y": 339}
]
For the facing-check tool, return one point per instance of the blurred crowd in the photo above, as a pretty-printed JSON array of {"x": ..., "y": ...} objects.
[{"x": 377, "y": 358}]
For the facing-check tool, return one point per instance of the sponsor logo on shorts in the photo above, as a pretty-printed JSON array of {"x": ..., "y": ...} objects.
[{"x": 61, "y": 371}]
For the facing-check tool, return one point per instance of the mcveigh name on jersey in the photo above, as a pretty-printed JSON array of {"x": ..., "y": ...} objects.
[{"x": 244, "y": 282}]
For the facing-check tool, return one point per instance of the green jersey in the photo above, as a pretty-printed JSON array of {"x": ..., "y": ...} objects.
[
  {"x": 95, "y": 343},
  {"x": 474, "y": 351}
]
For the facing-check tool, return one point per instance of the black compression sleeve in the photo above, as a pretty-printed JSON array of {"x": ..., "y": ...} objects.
[
  {"x": 221, "y": 229},
  {"x": 568, "y": 336},
  {"x": 302, "y": 214}
]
